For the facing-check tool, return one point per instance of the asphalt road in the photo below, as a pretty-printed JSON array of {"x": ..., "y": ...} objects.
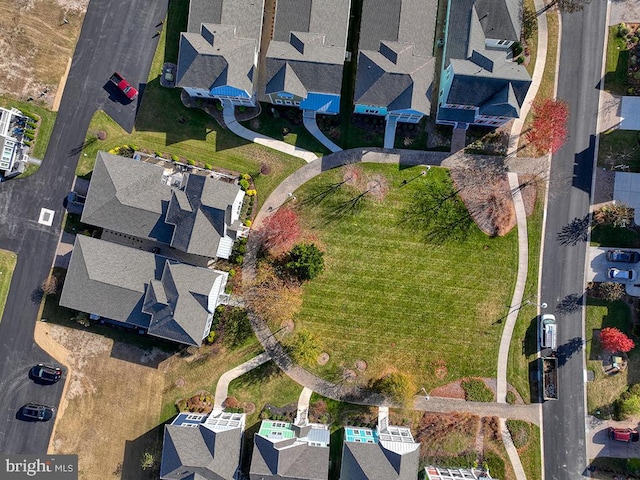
[
  {"x": 116, "y": 35},
  {"x": 565, "y": 237}
]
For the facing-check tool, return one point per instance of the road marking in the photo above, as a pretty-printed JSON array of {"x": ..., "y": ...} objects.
[{"x": 46, "y": 217}]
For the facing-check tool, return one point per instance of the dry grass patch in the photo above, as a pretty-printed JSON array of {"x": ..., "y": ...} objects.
[{"x": 37, "y": 45}]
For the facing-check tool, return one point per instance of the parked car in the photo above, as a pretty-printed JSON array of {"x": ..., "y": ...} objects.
[
  {"x": 548, "y": 331},
  {"x": 621, "y": 274},
  {"x": 124, "y": 86},
  {"x": 624, "y": 434},
  {"x": 45, "y": 373},
  {"x": 40, "y": 413},
  {"x": 623, "y": 256}
]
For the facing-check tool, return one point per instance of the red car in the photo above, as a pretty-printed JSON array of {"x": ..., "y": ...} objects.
[
  {"x": 624, "y": 434},
  {"x": 124, "y": 86}
]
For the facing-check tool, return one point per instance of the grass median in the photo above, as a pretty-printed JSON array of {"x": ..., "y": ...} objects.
[{"x": 7, "y": 265}]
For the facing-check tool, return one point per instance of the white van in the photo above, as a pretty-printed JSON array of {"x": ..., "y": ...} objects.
[{"x": 548, "y": 332}]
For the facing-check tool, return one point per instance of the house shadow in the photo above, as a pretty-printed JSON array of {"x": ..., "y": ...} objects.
[
  {"x": 150, "y": 443},
  {"x": 142, "y": 355},
  {"x": 583, "y": 166},
  {"x": 247, "y": 447}
]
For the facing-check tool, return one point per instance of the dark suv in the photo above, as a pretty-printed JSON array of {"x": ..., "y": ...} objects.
[
  {"x": 623, "y": 256},
  {"x": 42, "y": 373},
  {"x": 41, "y": 413},
  {"x": 624, "y": 434}
]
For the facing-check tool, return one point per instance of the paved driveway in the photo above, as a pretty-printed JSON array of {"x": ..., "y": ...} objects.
[
  {"x": 600, "y": 445},
  {"x": 597, "y": 266},
  {"x": 116, "y": 35}
]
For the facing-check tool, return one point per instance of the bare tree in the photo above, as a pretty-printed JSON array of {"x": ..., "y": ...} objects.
[{"x": 50, "y": 286}]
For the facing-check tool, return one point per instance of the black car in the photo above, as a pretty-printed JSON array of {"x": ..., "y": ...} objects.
[
  {"x": 34, "y": 411},
  {"x": 45, "y": 373},
  {"x": 623, "y": 256}
]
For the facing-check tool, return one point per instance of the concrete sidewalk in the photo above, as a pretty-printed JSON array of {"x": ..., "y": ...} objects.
[
  {"x": 223, "y": 383},
  {"x": 512, "y": 451},
  {"x": 536, "y": 79},
  {"x": 310, "y": 123},
  {"x": 232, "y": 124},
  {"x": 518, "y": 291},
  {"x": 528, "y": 413}
]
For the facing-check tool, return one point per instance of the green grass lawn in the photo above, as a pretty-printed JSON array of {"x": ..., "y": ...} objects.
[
  {"x": 605, "y": 389},
  {"x": 530, "y": 455},
  {"x": 610, "y": 236},
  {"x": 619, "y": 147},
  {"x": 45, "y": 126},
  {"x": 265, "y": 384},
  {"x": 389, "y": 298},
  {"x": 525, "y": 329},
  {"x": 615, "y": 78},
  {"x": 272, "y": 127},
  {"x": 7, "y": 264}
]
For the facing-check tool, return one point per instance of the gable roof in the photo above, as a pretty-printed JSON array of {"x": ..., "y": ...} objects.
[
  {"x": 216, "y": 57},
  {"x": 395, "y": 58},
  {"x": 290, "y": 455},
  {"x": 389, "y": 454},
  {"x": 205, "y": 451},
  {"x": 220, "y": 45},
  {"x": 309, "y": 45},
  {"x": 135, "y": 198},
  {"x": 128, "y": 197},
  {"x": 135, "y": 287},
  {"x": 200, "y": 210}
]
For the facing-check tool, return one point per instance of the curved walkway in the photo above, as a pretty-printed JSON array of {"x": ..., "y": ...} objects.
[
  {"x": 311, "y": 124},
  {"x": 222, "y": 388},
  {"x": 518, "y": 291},
  {"x": 228, "y": 114},
  {"x": 538, "y": 71}
]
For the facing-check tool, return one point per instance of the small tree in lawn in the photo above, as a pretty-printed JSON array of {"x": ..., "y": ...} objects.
[
  {"x": 549, "y": 128},
  {"x": 305, "y": 261},
  {"x": 280, "y": 230},
  {"x": 612, "y": 291},
  {"x": 614, "y": 340},
  {"x": 397, "y": 387}
]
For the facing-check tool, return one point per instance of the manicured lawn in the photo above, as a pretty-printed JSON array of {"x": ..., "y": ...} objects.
[
  {"x": 619, "y": 147},
  {"x": 615, "y": 78},
  {"x": 610, "y": 236},
  {"x": 390, "y": 298},
  {"x": 530, "y": 455},
  {"x": 532, "y": 39},
  {"x": 521, "y": 361},
  {"x": 265, "y": 384},
  {"x": 7, "y": 264},
  {"x": 605, "y": 389},
  {"x": 547, "y": 84},
  {"x": 298, "y": 135},
  {"x": 45, "y": 126}
]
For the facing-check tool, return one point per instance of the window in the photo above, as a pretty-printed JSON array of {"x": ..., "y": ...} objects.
[
  {"x": 278, "y": 102},
  {"x": 194, "y": 417},
  {"x": 503, "y": 42},
  {"x": 287, "y": 102},
  {"x": 297, "y": 104}
]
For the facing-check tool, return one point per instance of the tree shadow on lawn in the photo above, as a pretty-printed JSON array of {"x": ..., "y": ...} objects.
[
  {"x": 134, "y": 450},
  {"x": 162, "y": 110}
]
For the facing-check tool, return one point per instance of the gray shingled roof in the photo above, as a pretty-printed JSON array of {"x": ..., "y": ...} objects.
[
  {"x": 178, "y": 303},
  {"x": 113, "y": 281},
  {"x": 308, "y": 47},
  {"x": 500, "y": 19},
  {"x": 212, "y": 456},
  {"x": 370, "y": 461},
  {"x": 244, "y": 15},
  {"x": 109, "y": 280},
  {"x": 216, "y": 57},
  {"x": 287, "y": 460},
  {"x": 128, "y": 197},
  {"x": 199, "y": 212},
  {"x": 395, "y": 59}
]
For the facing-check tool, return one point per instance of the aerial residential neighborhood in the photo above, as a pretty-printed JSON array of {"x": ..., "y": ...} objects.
[{"x": 320, "y": 239}]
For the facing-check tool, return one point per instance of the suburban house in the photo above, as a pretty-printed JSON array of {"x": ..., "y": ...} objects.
[
  {"x": 13, "y": 155},
  {"x": 199, "y": 447},
  {"x": 290, "y": 451},
  {"x": 218, "y": 55},
  {"x": 395, "y": 59},
  {"x": 195, "y": 214},
  {"x": 384, "y": 453},
  {"x": 480, "y": 84},
  {"x": 143, "y": 291},
  {"x": 305, "y": 58},
  {"x": 439, "y": 473}
]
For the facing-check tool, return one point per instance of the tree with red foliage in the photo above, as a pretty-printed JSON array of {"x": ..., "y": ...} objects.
[
  {"x": 614, "y": 340},
  {"x": 280, "y": 230},
  {"x": 549, "y": 128}
]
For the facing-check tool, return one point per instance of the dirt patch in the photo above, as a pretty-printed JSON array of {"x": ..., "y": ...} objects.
[
  {"x": 450, "y": 390},
  {"x": 102, "y": 394},
  {"x": 37, "y": 38},
  {"x": 323, "y": 358},
  {"x": 361, "y": 365}
]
